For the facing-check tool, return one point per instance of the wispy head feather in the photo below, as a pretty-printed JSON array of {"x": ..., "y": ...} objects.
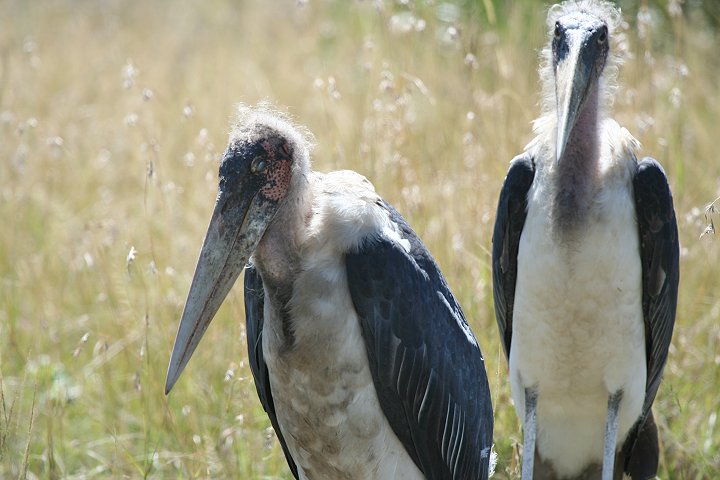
[{"x": 254, "y": 121}]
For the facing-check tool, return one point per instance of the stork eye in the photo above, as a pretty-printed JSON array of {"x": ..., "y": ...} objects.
[
  {"x": 258, "y": 165},
  {"x": 602, "y": 38},
  {"x": 558, "y": 31}
]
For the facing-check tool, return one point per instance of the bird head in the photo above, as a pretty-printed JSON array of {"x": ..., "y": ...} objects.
[
  {"x": 259, "y": 170},
  {"x": 580, "y": 59}
]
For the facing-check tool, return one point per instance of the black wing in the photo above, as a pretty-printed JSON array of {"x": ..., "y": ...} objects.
[
  {"x": 660, "y": 254},
  {"x": 254, "y": 320},
  {"x": 426, "y": 365},
  {"x": 509, "y": 222},
  {"x": 660, "y": 257}
]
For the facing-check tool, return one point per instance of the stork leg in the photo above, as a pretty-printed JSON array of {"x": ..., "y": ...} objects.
[
  {"x": 529, "y": 433},
  {"x": 611, "y": 428}
]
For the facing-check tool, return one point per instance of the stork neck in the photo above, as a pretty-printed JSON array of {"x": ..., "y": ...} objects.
[
  {"x": 576, "y": 172},
  {"x": 277, "y": 256}
]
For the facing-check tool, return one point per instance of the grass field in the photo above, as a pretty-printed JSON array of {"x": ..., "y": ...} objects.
[{"x": 113, "y": 115}]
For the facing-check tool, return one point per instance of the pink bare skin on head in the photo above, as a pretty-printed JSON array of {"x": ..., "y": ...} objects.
[{"x": 278, "y": 174}]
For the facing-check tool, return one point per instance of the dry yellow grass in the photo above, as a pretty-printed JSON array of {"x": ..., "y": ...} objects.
[{"x": 112, "y": 118}]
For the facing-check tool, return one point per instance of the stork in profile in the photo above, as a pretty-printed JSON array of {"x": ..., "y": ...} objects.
[
  {"x": 361, "y": 355},
  {"x": 585, "y": 267}
]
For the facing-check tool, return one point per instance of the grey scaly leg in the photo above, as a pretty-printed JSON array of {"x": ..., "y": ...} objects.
[
  {"x": 611, "y": 428},
  {"x": 529, "y": 432}
]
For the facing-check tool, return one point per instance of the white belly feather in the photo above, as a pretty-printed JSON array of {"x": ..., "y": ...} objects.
[
  {"x": 578, "y": 331},
  {"x": 324, "y": 393}
]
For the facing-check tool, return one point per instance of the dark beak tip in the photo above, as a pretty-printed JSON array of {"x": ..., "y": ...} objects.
[
  {"x": 169, "y": 385},
  {"x": 170, "y": 381}
]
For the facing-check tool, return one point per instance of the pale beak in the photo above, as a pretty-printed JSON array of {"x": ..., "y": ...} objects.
[
  {"x": 236, "y": 226},
  {"x": 573, "y": 78}
]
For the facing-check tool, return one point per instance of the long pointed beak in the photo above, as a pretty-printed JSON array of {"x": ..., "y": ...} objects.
[
  {"x": 573, "y": 77},
  {"x": 233, "y": 233}
]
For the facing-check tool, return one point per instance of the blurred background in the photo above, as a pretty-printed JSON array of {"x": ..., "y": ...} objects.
[{"x": 113, "y": 116}]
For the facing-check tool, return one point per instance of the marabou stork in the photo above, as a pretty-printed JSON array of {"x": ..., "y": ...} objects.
[
  {"x": 585, "y": 267},
  {"x": 361, "y": 355}
]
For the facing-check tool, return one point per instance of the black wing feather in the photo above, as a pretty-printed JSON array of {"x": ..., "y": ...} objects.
[
  {"x": 254, "y": 320},
  {"x": 660, "y": 257},
  {"x": 509, "y": 223},
  {"x": 426, "y": 365}
]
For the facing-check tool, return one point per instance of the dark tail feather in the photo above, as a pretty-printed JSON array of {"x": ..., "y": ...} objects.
[{"x": 641, "y": 450}]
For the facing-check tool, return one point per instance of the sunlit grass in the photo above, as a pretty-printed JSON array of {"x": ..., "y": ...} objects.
[{"x": 112, "y": 118}]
